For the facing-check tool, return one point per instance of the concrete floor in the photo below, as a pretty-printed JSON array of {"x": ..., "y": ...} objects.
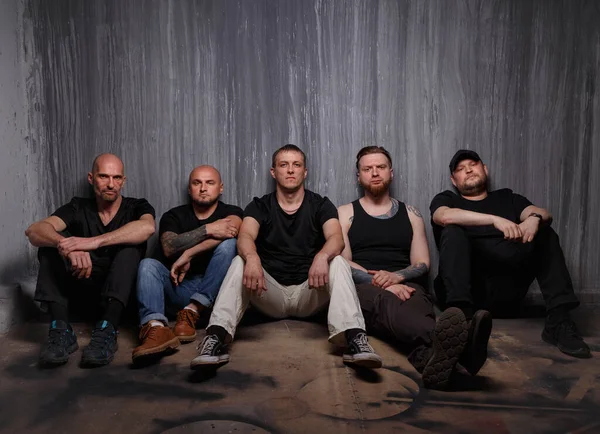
[{"x": 285, "y": 378}]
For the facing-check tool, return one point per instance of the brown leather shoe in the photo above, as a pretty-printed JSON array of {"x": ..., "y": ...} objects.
[
  {"x": 155, "y": 340},
  {"x": 185, "y": 328}
]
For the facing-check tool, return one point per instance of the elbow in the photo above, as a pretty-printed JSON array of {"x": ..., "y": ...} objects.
[
  {"x": 30, "y": 233},
  {"x": 150, "y": 230},
  {"x": 442, "y": 220}
]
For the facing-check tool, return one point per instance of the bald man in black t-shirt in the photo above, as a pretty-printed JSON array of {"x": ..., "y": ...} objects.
[
  {"x": 492, "y": 245},
  {"x": 89, "y": 251}
]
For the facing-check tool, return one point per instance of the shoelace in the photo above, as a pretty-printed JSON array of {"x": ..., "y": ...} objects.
[
  {"x": 100, "y": 337},
  {"x": 57, "y": 337},
  {"x": 207, "y": 344},
  {"x": 568, "y": 327},
  {"x": 363, "y": 344}
]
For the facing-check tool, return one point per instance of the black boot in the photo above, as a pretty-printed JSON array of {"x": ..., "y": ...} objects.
[
  {"x": 61, "y": 343},
  {"x": 102, "y": 347}
]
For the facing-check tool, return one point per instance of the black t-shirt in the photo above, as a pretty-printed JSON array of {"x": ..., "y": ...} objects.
[
  {"x": 182, "y": 219},
  {"x": 502, "y": 203},
  {"x": 82, "y": 219},
  {"x": 287, "y": 244}
]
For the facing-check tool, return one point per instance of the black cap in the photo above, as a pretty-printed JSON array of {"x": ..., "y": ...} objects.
[{"x": 463, "y": 154}]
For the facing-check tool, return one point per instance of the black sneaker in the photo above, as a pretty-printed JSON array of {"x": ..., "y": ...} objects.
[
  {"x": 565, "y": 336},
  {"x": 61, "y": 343},
  {"x": 102, "y": 347},
  {"x": 211, "y": 352},
  {"x": 361, "y": 354},
  {"x": 475, "y": 353},
  {"x": 449, "y": 340}
]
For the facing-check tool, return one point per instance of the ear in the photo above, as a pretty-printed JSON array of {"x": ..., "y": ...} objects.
[
  {"x": 273, "y": 172},
  {"x": 392, "y": 173},
  {"x": 485, "y": 170},
  {"x": 90, "y": 178},
  {"x": 221, "y": 189},
  {"x": 124, "y": 179}
]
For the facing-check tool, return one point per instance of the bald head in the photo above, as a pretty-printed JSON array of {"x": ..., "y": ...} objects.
[
  {"x": 205, "y": 186},
  {"x": 107, "y": 159}
]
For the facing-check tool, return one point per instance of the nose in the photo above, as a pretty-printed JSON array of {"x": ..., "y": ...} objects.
[{"x": 111, "y": 182}]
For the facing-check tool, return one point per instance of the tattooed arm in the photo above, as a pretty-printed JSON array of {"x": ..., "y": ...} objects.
[{"x": 222, "y": 229}]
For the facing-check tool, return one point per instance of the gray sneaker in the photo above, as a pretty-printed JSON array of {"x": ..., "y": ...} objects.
[
  {"x": 361, "y": 354},
  {"x": 211, "y": 352}
]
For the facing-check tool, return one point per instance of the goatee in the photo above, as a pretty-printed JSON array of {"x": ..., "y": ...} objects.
[{"x": 378, "y": 189}]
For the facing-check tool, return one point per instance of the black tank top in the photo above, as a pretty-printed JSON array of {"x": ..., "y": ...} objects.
[{"x": 380, "y": 244}]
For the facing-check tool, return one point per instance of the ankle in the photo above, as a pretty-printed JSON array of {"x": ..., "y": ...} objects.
[{"x": 218, "y": 331}]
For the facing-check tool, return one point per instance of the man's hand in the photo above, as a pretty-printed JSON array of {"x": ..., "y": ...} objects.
[
  {"x": 529, "y": 228},
  {"x": 81, "y": 264},
  {"x": 222, "y": 229},
  {"x": 383, "y": 278},
  {"x": 254, "y": 277},
  {"x": 510, "y": 230},
  {"x": 318, "y": 274},
  {"x": 403, "y": 292},
  {"x": 72, "y": 244},
  {"x": 179, "y": 268}
]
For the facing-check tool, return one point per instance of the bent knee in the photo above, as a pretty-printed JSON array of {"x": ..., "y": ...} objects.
[
  {"x": 339, "y": 263},
  {"x": 149, "y": 265},
  {"x": 227, "y": 246}
]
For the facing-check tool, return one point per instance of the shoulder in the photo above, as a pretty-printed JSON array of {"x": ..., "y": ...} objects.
[
  {"x": 446, "y": 194},
  {"x": 260, "y": 204},
  {"x": 227, "y": 209},
  {"x": 178, "y": 211},
  {"x": 413, "y": 211},
  {"x": 346, "y": 214}
]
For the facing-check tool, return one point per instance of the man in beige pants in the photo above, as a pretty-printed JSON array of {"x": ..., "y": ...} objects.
[{"x": 289, "y": 266}]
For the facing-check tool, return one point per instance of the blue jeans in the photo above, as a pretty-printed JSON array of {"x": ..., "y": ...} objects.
[
  {"x": 359, "y": 276},
  {"x": 154, "y": 284}
]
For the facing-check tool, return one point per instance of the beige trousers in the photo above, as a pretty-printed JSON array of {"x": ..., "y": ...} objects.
[{"x": 299, "y": 301}]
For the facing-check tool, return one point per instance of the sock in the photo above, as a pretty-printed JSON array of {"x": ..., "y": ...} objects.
[
  {"x": 352, "y": 333},
  {"x": 58, "y": 312},
  {"x": 219, "y": 331},
  {"x": 189, "y": 308},
  {"x": 156, "y": 323},
  {"x": 113, "y": 312}
]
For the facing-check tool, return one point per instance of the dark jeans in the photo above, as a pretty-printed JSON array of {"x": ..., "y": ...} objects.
[
  {"x": 495, "y": 274},
  {"x": 112, "y": 277},
  {"x": 407, "y": 324}
]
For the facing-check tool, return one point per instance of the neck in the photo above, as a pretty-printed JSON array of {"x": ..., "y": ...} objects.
[
  {"x": 290, "y": 201},
  {"x": 204, "y": 212},
  {"x": 106, "y": 207},
  {"x": 476, "y": 196},
  {"x": 382, "y": 199}
]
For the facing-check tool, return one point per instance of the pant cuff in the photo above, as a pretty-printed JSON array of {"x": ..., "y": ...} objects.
[
  {"x": 202, "y": 299},
  {"x": 154, "y": 316}
]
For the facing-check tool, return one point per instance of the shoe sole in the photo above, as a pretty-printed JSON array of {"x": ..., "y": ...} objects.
[
  {"x": 60, "y": 360},
  {"x": 214, "y": 361},
  {"x": 365, "y": 361},
  {"x": 167, "y": 346},
  {"x": 450, "y": 338},
  {"x": 186, "y": 338},
  {"x": 583, "y": 354},
  {"x": 475, "y": 353}
]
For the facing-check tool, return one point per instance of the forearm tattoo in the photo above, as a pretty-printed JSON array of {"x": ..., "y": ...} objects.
[
  {"x": 412, "y": 272},
  {"x": 173, "y": 243}
]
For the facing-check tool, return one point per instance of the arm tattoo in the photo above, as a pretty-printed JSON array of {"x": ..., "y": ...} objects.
[
  {"x": 351, "y": 218},
  {"x": 172, "y": 243},
  {"x": 391, "y": 213},
  {"x": 412, "y": 272},
  {"x": 414, "y": 210}
]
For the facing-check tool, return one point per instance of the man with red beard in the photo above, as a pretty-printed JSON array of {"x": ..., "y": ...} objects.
[
  {"x": 289, "y": 266},
  {"x": 492, "y": 245},
  {"x": 89, "y": 251},
  {"x": 387, "y": 249}
]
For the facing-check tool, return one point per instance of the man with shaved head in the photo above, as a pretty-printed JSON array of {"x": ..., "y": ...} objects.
[
  {"x": 198, "y": 243},
  {"x": 89, "y": 251}
]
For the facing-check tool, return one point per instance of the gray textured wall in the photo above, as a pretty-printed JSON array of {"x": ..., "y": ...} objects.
[
  {"x": 172, "y": 84},
  {"x": 16, "y": 205}
]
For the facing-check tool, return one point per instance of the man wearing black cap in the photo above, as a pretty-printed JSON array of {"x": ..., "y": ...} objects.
[{"x": 492, "y": 245}]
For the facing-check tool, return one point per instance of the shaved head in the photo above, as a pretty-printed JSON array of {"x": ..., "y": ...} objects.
[
  {"x": 206, "y": 171},
  {"x": 102, "y": 159}
]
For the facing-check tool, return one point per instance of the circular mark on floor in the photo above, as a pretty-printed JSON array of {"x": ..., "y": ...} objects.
[
  {"x": 216, "y": 427},
  {"x": 341, "y": 393},
  {"x": 285, "y": 408}
]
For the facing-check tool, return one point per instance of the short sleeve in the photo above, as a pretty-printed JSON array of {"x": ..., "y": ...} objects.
[
  {"x": 68, "y": 212},
  {"x": 141, "y": 207},
  {"x": 257, "y": 210},
  {"x": 169, "y": 223},
  {"x": 519, "y": 204},
  {"x": 444, "y": 198},
  {"x": 233, "y": 210},
  {"x": 327, "y": 211}
]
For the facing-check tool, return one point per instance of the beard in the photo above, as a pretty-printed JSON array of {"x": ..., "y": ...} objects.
[
  {"x": 109, "y": 197},
  {"x": 378, "y": 190},
  {"x": 205, "y": 203},
  {"x": 473, "y": 187}
]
